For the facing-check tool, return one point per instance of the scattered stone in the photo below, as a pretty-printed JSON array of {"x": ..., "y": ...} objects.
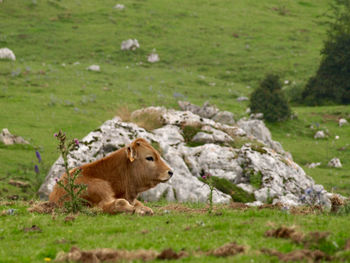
[
  {"x": 153, "y": 57},
  {"x": 335, "y": 162},
  {"x": 6, "y": 53},
  {"x": 320, "y": 135},
  {"x": 242, "y": 98},
  {"x": 95, "y": 68},
  {"x": 19, "y": 184},
  {"x": 342, "y": 122},
  {"x": 119, "y": 6},
  {"x": 313, "y": 165},
  {"x": 130, "y": 44},
  {"x": 8, "y": 139},
  {"x": 229, "y": 249},
  {"x": 336, "y": 137}
]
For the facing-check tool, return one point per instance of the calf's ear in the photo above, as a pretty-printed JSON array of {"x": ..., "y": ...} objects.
[{"x": 130, "y": 153}]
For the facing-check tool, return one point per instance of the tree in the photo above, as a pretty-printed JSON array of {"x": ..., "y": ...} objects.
[
  {"x": 331, "y": 84},
  {"x": 269, "y": 99}
]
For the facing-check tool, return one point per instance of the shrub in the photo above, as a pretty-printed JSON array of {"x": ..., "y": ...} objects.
[
  {"x": 269, "y": 99},
  {"x": 331, "y": 84}
]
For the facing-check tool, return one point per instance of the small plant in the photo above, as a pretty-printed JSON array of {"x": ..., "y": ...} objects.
[
  {"x": 208, "y": 179},
  {"x": 269, "y": 99},
  {"x": 313, "y": 197},
  {"x": 73, "y": 190},
  {"x": 40, "y": 164}
]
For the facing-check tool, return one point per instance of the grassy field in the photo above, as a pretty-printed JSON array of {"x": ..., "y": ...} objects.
[
  {"x": 210, "y": 51},
  {"x": 187, "y": 228}
]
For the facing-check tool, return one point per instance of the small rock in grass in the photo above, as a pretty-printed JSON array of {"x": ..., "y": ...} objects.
[
  {"x": 94, "y": 68},
  {"x": 320, "y": 135},
  {"x": 342, "y": 122},
  {"x": 335, "y": 162},
  {"x": 6, "y": 53},
  {"x": 119, "y": 6},
  {"x": 8, "y": 139},
  {"x": 313, "y": 165},
  {"x": 130, "y": 44},
  {"x": 153, "y": 57},
  {"x": 242, "y": 98}
]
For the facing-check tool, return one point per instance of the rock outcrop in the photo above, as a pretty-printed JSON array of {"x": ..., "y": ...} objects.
[
  {"x": 130, "y": 44},
  {"x": 243, "y": 155}
]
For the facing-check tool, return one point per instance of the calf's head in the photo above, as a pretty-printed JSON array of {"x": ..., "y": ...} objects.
[{"x": 146, "y": 163}]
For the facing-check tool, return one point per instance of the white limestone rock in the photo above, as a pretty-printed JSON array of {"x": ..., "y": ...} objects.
[
  {"x": 335, "y": 162},
  {"x": 6, "y": 53},
  {"x": 257, "y": 129},
  {"x": 313, "y": 165},
  {"x": 8, "y": 139},
  {"x": 130, "y": 44},
  {"x": 282, "y": 180},
  {"x": 206, "y": 111},
  {"x": 224, "y": 117},
  {"x": 342, "y": 122},
  {"x": 119, "y": 6},
  {"x": 242, "y": 98},
  {"x": 153, "y": 57},
  {"x": 94, "y": 68},
  {"x": 320, "y": 135},
  {"x": 211, "y": 135}
]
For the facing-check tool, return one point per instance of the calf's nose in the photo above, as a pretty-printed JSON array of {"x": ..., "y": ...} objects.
[{"x": 170, "y": 173}]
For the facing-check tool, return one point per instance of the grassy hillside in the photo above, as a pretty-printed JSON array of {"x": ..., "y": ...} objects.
[{"x": 209, "y": 50}]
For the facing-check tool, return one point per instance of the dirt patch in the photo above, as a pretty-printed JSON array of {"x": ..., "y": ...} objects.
[
  {"x": 347, "y": 245},
  {"x": 229, "y": 249},
  {"x": 33, "y": 228},
  {"x": 238, "y": 206},
  {"x": 299, "y": 255},
  {"x": 111, "y": 255},
  {"x": 183, "y": 209},
  {"x": 312, "y": 238},
  {"x": 19, "y": 184},
  {"x": 306, "y": 210},
  {"x": 69, "y": 218},
  {"x": 285, "y": 232},
  {"x": 336, "y": 202},
  {"x": 42, "y": 207},
  {"x": 171, "y": 254}
]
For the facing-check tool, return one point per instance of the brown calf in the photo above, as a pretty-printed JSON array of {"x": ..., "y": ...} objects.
[{"x": 114, "y": 182}]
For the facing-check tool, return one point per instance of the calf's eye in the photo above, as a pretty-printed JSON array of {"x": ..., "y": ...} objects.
[{"x": 149, "y": 158}]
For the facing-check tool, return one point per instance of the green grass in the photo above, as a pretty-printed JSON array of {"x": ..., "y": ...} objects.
[{"x": 163, "y": 230}]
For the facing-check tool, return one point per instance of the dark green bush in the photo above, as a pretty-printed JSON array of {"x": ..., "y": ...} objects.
[
  {"x": 331, "y": 84},
  {"x": 268, "y": 98}
]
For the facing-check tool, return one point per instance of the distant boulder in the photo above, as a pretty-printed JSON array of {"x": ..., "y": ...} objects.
[
  {"x": 8, "y": 139},
  {"x": 320, "y": 135},
  {"x": 335, "y": 162},
  {"x": 153, "y": 57},
  {"x": 130, "y": 44},
  {"x": 6, "y": 53},
  {"x": 119, "y": 6},
  {"x": 342, "y": 122},
  {"x": 94, "y": 68}
]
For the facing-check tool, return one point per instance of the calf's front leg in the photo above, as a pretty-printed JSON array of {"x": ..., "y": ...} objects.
[{"x": 141, "y": 209}]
